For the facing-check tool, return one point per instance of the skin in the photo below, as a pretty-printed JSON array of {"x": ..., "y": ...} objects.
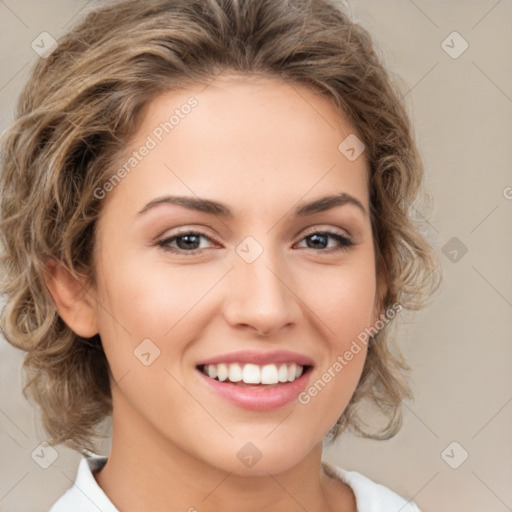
[{"x": 260, "y": 146}]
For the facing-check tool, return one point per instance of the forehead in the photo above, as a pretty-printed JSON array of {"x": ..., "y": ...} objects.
[{"x": 240, "y": 139}]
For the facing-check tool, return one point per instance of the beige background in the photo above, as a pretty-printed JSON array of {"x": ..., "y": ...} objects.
[{"x": 460, "y": 347}]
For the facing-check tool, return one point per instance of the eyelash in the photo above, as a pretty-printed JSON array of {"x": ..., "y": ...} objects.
[{"x": 345, "y": 242}]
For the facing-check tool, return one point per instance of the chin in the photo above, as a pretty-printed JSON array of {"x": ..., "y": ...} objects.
[{"x": 260, "y": 456}]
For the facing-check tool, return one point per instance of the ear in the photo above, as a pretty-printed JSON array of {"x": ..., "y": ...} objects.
[{"x": 76, "y": 306}]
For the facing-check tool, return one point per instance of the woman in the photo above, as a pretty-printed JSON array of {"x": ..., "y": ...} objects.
[{"x": 216, "y": 243}]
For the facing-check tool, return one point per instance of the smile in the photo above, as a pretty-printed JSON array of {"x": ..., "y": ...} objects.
[
  {"x": 253, "y": 374},
  {"x": 256, "y": 380}
]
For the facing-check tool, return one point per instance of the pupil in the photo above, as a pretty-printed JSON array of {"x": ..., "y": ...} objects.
[
  {"x": 316, "y": 236},
  {"x": 187, "y": 241}
]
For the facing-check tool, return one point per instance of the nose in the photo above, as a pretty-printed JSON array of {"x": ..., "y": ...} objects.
[{"x": 261, "y": 298}]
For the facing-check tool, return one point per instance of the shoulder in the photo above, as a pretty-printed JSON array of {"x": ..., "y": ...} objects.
[
  {"x": 85, "y": 495},
  {"x": 371, "y": 495}
]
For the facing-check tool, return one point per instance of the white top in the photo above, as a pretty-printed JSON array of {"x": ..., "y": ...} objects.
[{"x": 87, "y": 496}]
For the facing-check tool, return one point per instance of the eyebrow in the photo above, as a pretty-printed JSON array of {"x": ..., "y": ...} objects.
[{"x": 215, "y": 208}]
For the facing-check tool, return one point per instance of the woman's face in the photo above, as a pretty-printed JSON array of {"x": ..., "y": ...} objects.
[{"x": 264, "y": 149}]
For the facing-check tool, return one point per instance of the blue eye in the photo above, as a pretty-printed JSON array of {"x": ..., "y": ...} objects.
[
  {"x": 188, "y": 243},
  {"x": 185, "y": 241},
  {"x": 318, "y": 237}
]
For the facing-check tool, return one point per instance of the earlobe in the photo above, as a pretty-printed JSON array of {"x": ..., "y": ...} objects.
[{"x": 73, "y": 301}]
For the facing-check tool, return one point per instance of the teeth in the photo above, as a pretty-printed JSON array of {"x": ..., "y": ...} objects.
[
  {"x": 253, "y": 374},
  {"x": 235, "y": 373},
  {"x": 222, "y": 372},
  {"x": 282, "y": 374},
  {"x": 269, "y": 374},
  {"x": 291, "y": 372},
  {"x": 212, "y": 371}
]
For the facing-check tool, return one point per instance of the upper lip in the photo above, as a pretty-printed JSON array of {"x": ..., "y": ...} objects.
[{"x": 260, "y": 358}]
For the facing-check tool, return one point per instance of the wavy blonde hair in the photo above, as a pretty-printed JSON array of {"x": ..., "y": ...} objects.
[{"x": 76, "y": 115}]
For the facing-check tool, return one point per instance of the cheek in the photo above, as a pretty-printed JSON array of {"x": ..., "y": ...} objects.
[
  {"x": 343, "y": 300},
  {"x": 141, "y": 300},
  {"x": 149, "y": 298}
]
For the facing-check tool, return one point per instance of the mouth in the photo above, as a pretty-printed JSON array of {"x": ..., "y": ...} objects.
[
  {"x": 261, "y": 382},
  {"x": 253, "y": 375}
]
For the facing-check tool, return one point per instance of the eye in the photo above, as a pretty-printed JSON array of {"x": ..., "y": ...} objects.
[
  {"x": 185, "y": 241},
  {"x": 189, "y": 242},
  {"x": 320, "y": 238}
]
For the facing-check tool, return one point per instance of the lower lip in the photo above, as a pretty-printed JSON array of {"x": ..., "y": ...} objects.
[{"x": 258, "y": 398}]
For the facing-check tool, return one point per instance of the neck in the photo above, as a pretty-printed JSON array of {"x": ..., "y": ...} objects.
[{"x": 146, "y": 471}]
